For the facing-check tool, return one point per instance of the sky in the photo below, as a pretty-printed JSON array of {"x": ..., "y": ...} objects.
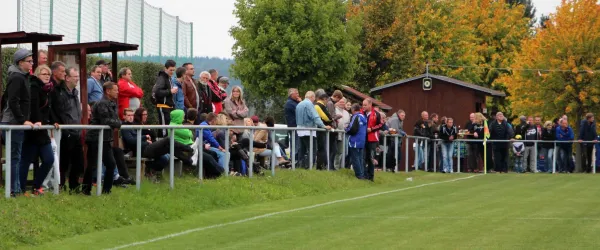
[{"x": 212, "y": 20}]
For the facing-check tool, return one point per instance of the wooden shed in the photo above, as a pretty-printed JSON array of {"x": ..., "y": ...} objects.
[{"x": 445, "y": 96}]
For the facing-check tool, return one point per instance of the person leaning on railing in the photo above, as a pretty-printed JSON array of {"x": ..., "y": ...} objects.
[
  {"x": 564, "y": 133},
  {"x": 307, "y": 117}
]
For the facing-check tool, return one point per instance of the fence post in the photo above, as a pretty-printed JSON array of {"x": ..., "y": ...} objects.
[
  {"x": 435, "y": 156},
  {"x": 293, "y": 149},
  {"x": 327, "y": 148},
  {"x": 172, "y": 158},
  {"x": 160, "y": 31},
  {"x": 56, "y": 171},
  {"x": 19, "y": 15},
  {"x": 201, "y": 155},
  {"x": 192, "y": 44},
  {"x": 142, "y": 30},
  {"x": 406, "y": 156},
  {"x": 51, "y": 22},
  {"x": 8, "y": 155},
  {"x": 310, "y": 153},
  {"x": 251, "y": 150},
  {"x": 177, "y": 40},
  {"x": 416, "y": 148},
  {"x": 556, "y": 155},
  {"x": 396, "y": 162},
  {"x": 226, "y": 162},
  {"x": 426, "y": 155},
  {"x": 273, "y": 158},
  {"x": 126, "y": 21},
  {"x": 535, "y": 150},
  {"x": 385, "y": 152},
  {"x": 99, "y": 20},
  {"x": 79, "y": 21},
  {"x": 99, "y": 163},
  {"x": 343, "y": 160},
  {"x": 457, "y": 157},
  {"x": 138, "y": 160}
]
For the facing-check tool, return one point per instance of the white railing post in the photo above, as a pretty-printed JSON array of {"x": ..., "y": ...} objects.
[
  {"x": 138, "y": 160},
  {"x": 7, "y": 186},
  {"x": 99, "y": 163}
]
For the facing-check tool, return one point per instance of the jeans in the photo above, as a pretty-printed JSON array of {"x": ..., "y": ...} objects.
[
  {"x": 447, "y": 152},
  {"x": 563, "y": 159},
  {"x": 32, "y": 151},
  {"x": 159, "y": 162},
  {"x": 419, "y": 152},
  {"x": 357, "y": 161},
  {"x": 16, "y": 146},
  {"x": 548, "y": 154},
  {"x": 532, "y": 162},
  {"x": 519, "y": 164},
  {"x": 220, "y": 156}
]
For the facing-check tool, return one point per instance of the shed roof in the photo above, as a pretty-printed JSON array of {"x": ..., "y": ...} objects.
[
  {"x": 359, "y": 95},
  {"x": 96, "y": 47},
  {"x": 488, "y": 91},
  {"x": 28, "y": 37}
]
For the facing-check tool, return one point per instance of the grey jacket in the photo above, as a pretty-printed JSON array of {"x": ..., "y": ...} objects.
[{"x": 397, "y": 124}]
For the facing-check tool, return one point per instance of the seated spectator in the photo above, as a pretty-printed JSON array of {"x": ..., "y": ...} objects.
[
  {"x": 190, "y": 116},
  {"x": 129, "y": 93},
  {"x": 208, "y": 137},
  {"x": 183, "y": 136},
  {"x": 263, "y": 137},
  {"x": 141, "y": 118}
]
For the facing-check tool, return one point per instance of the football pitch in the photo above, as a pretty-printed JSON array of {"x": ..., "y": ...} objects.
[{"x": 433, "y": 211}]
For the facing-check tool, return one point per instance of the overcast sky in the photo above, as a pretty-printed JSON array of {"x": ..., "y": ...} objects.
[{"x": 211, "y": 18}]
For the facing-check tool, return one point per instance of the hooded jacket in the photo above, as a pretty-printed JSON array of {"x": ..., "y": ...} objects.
[
  {"x": 397, "y": 124},
  {"x": 183, "y": 135},
  {"x": 128, "y": 90},
  {"x": 16, "y": 100},
  {"x": 161, "y": 92},
  {"x": 104, "y": 112},
  {"x": 40, "y": 112},
  {"x": 357, "y": 131}
]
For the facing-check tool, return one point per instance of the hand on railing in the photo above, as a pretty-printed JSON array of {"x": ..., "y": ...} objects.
[
  {"x": 56, "y": 126},
  {"x": 28, "y": 123}
]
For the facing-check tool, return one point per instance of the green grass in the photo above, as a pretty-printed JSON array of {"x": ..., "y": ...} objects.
[
  {"x": 32, "y": 221},
  {"x": 510, "y": 211}
]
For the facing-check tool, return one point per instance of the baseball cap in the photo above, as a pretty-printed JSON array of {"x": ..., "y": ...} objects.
[
  {"x": 102, "y": 62},
  {"x": 255, "y": 119},
  {"x": 20, "y": 55}
]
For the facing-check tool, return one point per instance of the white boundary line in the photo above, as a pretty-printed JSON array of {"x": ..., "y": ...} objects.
[
  {"x": 282, "y": 212},
  {"x": 435, "y": 217}
]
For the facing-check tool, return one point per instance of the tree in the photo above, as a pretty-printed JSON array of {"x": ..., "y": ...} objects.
[
  {"x": 528, "y": 11},
  {"x": 387, "y": 41},
  {"x": 281, "y": 44},
  {"x": 569, "y": 46},
  {"x": 543, "y": 20}
]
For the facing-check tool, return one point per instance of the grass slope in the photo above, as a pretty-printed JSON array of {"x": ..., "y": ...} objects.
[
  {"x": 32, "y": 221},
  {"x": 486, "y": 212}
]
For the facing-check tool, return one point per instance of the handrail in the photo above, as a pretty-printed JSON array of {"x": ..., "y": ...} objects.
[{"x": 128, "y": 127}]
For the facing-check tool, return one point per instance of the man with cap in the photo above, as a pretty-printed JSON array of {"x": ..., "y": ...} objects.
[
  {"x": 255, "y": 120},
  {"x": 16, "y": 102},
  {"x": 106, "y": 74}
]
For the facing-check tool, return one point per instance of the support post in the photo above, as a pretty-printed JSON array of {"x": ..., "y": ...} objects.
[
  {"x": 417, "y": 147},
  {"x": 293, "y": 149},
  {"x": 426, "y": 155},
  {"x": 99, "y": 163},
  {"x": 435, "y": 156},
  {"x": 251, "y": 156},
  {"x": 79, "y": 22},
  {"x": 142, "y": 29},
  {"x": 406, "y": 155},
  {"x": 177, "y": 40},
  {"x": 201, "y": 156},
  {"x": 343, "y": 160},
  {"x": 126, "y": 23},
  {"x": 100, "y": 21},
  {"x": 226, "y": 162},
  {"x": 8, "y": 155},
  {"x": 310, "y": 153},
  {"x": 19, "y": 9},
  {"x": 457, "y": 157},
  {"x": 273, "y": 158},
  {"x": 535, "y": 154},
  {"x": 556, "y": 155},
  {"x": 172, "y": 158},
  {"x": 327, "y": 136},
  {"x": 51, "y": 22},
  {"x": 192, "y": 43},
  {"x": 138, "y": 160},
  {"x": 160, "y": 31},
  {"x": 385, "y": 145}
]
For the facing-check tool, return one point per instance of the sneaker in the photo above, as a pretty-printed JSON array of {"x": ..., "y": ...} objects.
[
  {"x": 119, "y": 181},
  {"x": 38, "y": 192},
  {"x": 130, "y": 181}
]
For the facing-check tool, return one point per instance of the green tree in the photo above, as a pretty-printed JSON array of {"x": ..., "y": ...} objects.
[{"x": 281, "y": 44}]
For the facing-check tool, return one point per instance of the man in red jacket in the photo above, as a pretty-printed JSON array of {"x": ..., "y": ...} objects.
[
  {"x": 374, "y": 124},
  {"x": 218, "y": 95}
]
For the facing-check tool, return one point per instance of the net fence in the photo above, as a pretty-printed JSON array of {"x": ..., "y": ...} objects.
[{"x": 129, "y": 21}]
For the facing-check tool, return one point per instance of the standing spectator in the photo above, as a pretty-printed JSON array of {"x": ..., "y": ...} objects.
[
  {"x": 307, "y": 117},
  {"x": 519, "y": 151},
  {"x": 16, "y": 107},
  {"x": 208, "y": 137},
  {"x": 499, "y": 130},
  {"x": 521, "y": 127},
  {"x": 37, "y": 142},
  {"x": 58, "y": 74},
  {"x": 471, "y": 145},
  {"x": 530, "y": 158},
  {"x": 547, "y": 148},
  {"x": 448, "y": 133},
  {"x": 340, "y": 109},
  {"x": 42, "y": 57},
  {"x": 106, "y": 75},
  {"x": 205, "y": 94},
  {"x": 539, "y": 126},
  {"x": 321, "y": 108},
  {"x": 162, "y": 94},
  {"x": 477, "y": 131},
  {"x": 396, "y": 126},
  {"x": 178, "y": 81},
  {"x": 104, "y": 112},
  {"x": 357, "y": 130},
  {"x": 66, "y": 109},
  {"x": 94, "y": 87},
  {"x": 374, "y": 124},
  {"x": 190, "y": 91},
  {"x": 434, "y": 125},
  {"x": 217, "y": 95},
  {"x": 290, "y": 116},
  {"x": 587, "y": 132},
  {"x": 235, "y": 106},
  {"x": 129, "y": 93},
  {"x": 333, "y": 145},
  {"x": 421, "y": 129},
  {"x": 564, "y": 133},
  {"x": 223, "y": 83}
]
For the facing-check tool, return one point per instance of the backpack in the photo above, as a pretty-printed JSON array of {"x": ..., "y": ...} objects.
[{"x": 153, "y": 97}]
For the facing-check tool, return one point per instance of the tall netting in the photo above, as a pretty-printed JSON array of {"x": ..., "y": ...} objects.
[{"x": 129, "y": 21}]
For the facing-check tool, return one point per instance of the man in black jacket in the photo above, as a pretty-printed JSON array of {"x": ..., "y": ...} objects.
[
  {"x": 587, "y": 132},
  {"x": 422, "y": 129},
  {"x": 66, "y": 109},
  {"x": 16, "y": 102},
  {"x": 104, "y": 112},
  {"x": 499, "y": 131},
  {"x": 162, "y": 95}
]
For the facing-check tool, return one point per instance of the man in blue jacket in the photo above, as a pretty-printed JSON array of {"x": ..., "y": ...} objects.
[
  {"x": 587, "y": 132},
  {"x": 564, "y": 133},
  {"x": 210, "y": 139},
  {"x": 290, "y": 115},
  {"x": 307, "y": 117},
  {"x": 357, "y": 130}
]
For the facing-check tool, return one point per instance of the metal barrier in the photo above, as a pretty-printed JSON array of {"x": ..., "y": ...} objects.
[{"x": 292, "y": 146}]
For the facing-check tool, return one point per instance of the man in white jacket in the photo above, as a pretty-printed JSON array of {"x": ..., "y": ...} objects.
[{"x": 340, "y": 109}]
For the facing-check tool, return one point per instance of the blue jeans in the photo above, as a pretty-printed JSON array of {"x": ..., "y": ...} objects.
[
  {"x": 519, "y": 164},
  {"x": 220, "y": 156},
  {"x": 30, "y": 152},
  {"x": 16, "y": 146},
  {"x": 447, "y": 152},
  {"x": 159, "y": 162},
  {"x": 356, "y": 158},
  {"x": 548, "y": 154}
]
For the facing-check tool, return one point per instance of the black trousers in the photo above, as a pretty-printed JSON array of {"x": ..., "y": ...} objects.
[
  {"x": 370, "y": 152},
  {"x": 500, "y": 159},
  {"x": 108, "y": 159},
  {"x": 120, "y": 161},
  {"x": 587, "y": 157},
  {"x": 164, "y": 118},
  {"x": 71, "y": 160},
  {"x": 304, "y": 151}
]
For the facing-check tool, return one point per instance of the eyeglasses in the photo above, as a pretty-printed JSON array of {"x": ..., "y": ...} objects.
[
  {"x": 45, "y": 74},
  {"x": 29, "y": 61},
  {"x": 145, "y": 114}
]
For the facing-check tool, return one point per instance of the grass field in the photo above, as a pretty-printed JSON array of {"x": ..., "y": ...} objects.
[{"x": 433, "y": 211}]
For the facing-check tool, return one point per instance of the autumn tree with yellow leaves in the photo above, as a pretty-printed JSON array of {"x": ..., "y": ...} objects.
[{"x": 567, "y": 52}]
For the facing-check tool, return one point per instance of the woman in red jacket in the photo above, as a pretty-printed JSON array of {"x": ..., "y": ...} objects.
[{"x": 130, "y": 95}]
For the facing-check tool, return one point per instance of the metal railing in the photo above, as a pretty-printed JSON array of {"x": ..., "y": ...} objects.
[{"x": 9, "y": 128}]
